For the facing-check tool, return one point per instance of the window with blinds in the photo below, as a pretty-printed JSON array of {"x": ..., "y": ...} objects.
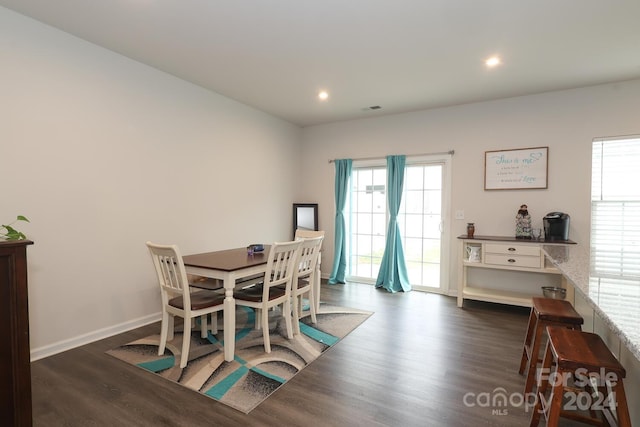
[{"x": 615, "y": 208}]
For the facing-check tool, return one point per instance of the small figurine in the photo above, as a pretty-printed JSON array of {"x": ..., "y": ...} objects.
[{"x": 523, "y": 223}]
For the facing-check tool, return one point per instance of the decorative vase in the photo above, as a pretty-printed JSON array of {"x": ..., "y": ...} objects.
[{"x": 471, "y": 228}]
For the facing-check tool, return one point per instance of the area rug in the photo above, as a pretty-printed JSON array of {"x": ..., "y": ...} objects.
[{"x": 253, "y": 375}]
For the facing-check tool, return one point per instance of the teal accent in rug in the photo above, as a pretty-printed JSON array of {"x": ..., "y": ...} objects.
[
  {"x": 268, "y": 375},
  {"x": 253, "y": 375},
  {"x": 158, "y": 365},
  {"x": 223, "y": 386},
  {"x": 318, "y": 335},
  {"x": 251, "y": 321},
  {"x": 251, "y": 318}
]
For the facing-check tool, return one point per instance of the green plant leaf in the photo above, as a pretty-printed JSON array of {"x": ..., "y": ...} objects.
[
  {"x": 10, "y": 233},
  {"x": 16, "y": 236}
]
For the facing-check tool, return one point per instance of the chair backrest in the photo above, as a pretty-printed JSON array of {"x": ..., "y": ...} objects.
[
  {"x": 306, "y": 234},
  {"x": 172, "y": 275},
  {"x": 308, "y": 258},
  {"x": 282, "y": 261}
]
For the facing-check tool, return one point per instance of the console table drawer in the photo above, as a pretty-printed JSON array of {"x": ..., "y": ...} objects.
[
  {"x": 513, "y": 260},
  {"x": 502, "y": 248}
]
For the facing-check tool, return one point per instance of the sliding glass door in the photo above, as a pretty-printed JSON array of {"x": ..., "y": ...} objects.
[
  {"x": 366, "y": 222},
  {"x": 421, "y": 221}
]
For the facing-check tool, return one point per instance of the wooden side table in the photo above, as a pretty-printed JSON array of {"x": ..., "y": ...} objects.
[{"x": 15, "y": 363}]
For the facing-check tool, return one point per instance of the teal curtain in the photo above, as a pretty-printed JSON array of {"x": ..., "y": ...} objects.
[
  {"x": 343, "y": 173},
  {"x": 393, "y": 270}
]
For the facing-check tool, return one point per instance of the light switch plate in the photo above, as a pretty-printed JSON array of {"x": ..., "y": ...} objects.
[{"x": 459, "y": 214}]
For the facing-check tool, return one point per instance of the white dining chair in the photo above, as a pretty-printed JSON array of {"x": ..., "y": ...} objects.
[
  {"x": 276, "y": 288},
  {"x": 305, "y": 234},
  {"x": 177, "y": 300},
  {"x": 304, "y": 280},
  {"x": 302, "y": 233}
]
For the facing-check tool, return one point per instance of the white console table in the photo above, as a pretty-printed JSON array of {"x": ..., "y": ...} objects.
[{"x": 500, "y": 254}]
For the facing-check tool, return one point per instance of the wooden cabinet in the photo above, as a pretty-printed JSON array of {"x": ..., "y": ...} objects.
[
  {"x": 499, "y": 256},
  {"x": 15, "y": 365}
]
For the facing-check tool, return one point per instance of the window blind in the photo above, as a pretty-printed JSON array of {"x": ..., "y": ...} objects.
[{"x": 615, "y": 207}]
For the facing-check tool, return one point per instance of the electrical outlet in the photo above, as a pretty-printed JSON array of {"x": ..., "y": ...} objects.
[{"x": 459, "y": 214}]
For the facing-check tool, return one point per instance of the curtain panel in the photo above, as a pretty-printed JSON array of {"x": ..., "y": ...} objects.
[
  {"x": 343, "y": 174},
  {"x": 393, "y": 274}
]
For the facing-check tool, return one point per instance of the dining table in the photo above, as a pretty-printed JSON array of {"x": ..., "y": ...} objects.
[{"x": 232, "y": 266}]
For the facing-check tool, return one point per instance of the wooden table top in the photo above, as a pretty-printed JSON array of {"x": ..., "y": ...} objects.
[
  {"x": 227, "y": 260},
  {"x": 515, "y": 239}
]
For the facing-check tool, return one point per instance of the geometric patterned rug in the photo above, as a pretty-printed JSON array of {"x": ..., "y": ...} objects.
[{"x": 253, "y": 375}]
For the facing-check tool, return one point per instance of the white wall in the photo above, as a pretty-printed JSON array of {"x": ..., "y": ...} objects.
[
  {"x": 102, "y": 153},
  {"x": 565, "y": 121}
]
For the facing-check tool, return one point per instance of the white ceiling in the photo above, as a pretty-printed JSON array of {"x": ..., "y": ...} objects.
[{"x": 403, "y": 55}]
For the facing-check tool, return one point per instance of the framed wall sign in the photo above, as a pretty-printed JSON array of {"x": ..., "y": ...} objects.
[{"x": 519, "y": 169}]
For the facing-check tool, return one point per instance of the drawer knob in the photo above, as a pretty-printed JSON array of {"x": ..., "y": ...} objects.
[
  {"x": 511, "y": 260},
  {"x": 512, "y": 249}
]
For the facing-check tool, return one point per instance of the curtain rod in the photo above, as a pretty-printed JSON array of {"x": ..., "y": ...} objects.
[{"x": 410, "y": 155}]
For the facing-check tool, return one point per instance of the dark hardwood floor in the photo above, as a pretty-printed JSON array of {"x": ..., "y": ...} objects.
[{"x": 410, "y": 364}]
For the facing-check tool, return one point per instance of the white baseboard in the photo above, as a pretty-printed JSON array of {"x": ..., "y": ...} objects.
[{"x": 68, "y": 344}]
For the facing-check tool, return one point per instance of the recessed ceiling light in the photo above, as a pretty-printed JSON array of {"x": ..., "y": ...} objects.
[
  {"x": 323, "y": 95},
  {"x": 493, "y": 61}
]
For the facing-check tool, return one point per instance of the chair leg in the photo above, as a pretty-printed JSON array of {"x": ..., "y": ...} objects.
[
  {"x": 286, "y": 313},
  {"x": 258, "y": 318},
  {"x": 555, "y": 404},
  {"x": 533, "y": 360},
  {"x": 312, "y": 306},
  {"x": 186, "y": 340},
  {"x": 171, "y": 327},
  {"x": 265, "y": 330},
  {"x": 214, "y": 322},
  {"x": 622, "y": 410},
  {"x": 527, "y": 341},
  {"x": 164, "y": 329},
  {"x": 296, "y": 316},
  {"x": 543, "y": 383},
  {"x": 204, "y": 330}
]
